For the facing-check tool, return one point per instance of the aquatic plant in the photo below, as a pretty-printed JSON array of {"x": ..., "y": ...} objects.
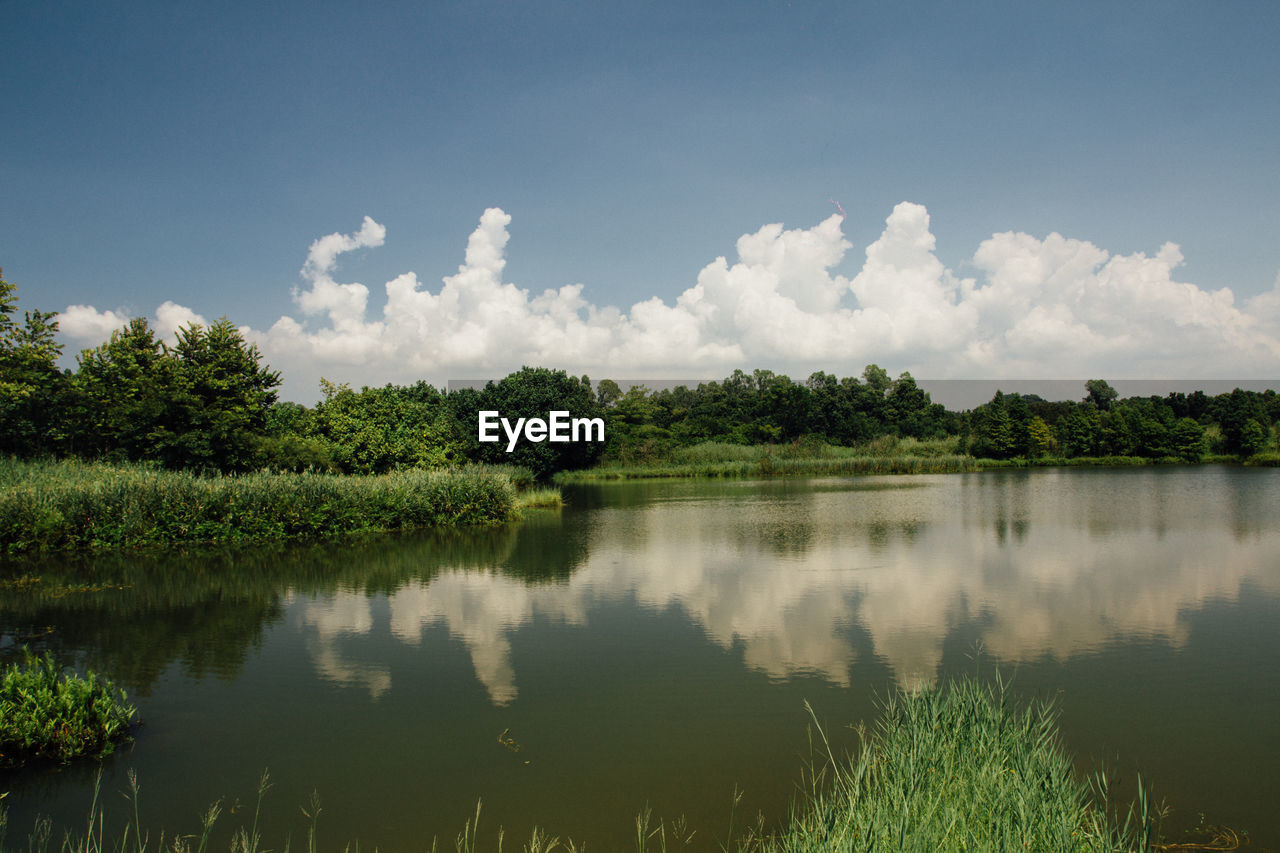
[{"x": 48, "y": 714}]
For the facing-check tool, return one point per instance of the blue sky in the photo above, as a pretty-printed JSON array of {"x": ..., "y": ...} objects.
[{"x": 194, "y": 154}]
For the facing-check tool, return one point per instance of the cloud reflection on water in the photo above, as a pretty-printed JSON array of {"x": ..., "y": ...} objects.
[{"x": 1042, "y": 563}]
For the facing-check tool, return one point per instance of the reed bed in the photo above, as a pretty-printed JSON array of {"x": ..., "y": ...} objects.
[
  {"x": 541, "y": 497},
  {"x": 46, "y": 713},
  {"x": 960, "y": 768},
  {"x": 71, "y": 505},
  {"x": 1089, "y": 461}
]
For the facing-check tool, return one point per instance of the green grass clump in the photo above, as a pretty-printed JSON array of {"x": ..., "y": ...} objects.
[
  {"x": 960, "y": 768},
  {"x": 46, "y": 714},
  {"x": 543, "y": 497},
  {"x": 69, "y": 505}
]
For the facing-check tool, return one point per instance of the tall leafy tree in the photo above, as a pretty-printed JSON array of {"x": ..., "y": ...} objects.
[
  {"x": 32, "y": 388},
  {"x": 1100, "y": 394},
  {"x": 124, "y": 396},
  {"x": 534, "y": 392},
  {"x": 222, "y": 393}
]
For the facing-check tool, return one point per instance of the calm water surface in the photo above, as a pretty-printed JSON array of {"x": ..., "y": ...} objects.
[{"x": 653, "y": 644}]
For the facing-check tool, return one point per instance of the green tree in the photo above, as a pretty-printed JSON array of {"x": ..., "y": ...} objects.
[
  {"x": 1186, "y": 439},
  {"x": 123, "y": 400},
  {"x": 607, "y": 392},
  {"x": 993, "y": 430},
  {"x": 1100, "y": 394},
  {"x": 1253, "y": 437},
  {"x": 1079, "y": 432},
  {"x": 33, "y": 391},
  {"x": 1042, "y": 440},
  {"x": 533, "y": 393},
  {"x": 222, "y": 393}
]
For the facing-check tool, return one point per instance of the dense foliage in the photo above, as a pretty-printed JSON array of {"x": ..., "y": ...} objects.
[
  {"x": 47, "y": 714},
  {"x": 66, "y": 505},
  {"x": 1178, "y": 426},
  {"x": 206, "y": 403}
]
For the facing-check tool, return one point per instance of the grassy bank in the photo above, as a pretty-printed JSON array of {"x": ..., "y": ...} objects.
[
  {"x": 771, "y": 467},
  {"x": 958, "y": 768},
  {"x": 805, "y": 459},
  {"x": 48, "y": 714},
  {"x": 885, "y": 455},
  {"x": 69, "y": 505}
]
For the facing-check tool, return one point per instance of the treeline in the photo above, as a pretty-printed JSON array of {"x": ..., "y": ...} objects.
[
  {"x": 1182, "y": 426},
  {"x": 207, "y": 403},
  {"x": 764, "y": 408}
]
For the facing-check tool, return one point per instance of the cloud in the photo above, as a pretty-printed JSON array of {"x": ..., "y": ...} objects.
[
  {"x": 1033, "y": 307},
  {"x": 87, "y": 326},
  {"x": 170, "y": 317}
]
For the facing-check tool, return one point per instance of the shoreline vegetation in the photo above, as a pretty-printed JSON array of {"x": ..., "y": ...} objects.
[
  {"x": 890, "y": 455},
  {"x": 71, "y": 505},
  {"x": 958, "y": 767}
]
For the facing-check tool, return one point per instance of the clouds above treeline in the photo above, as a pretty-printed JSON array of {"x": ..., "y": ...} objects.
[{"x": 1021, "y": 307}]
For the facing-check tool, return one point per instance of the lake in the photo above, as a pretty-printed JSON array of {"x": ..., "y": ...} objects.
[{"x": 654, "y": 644}]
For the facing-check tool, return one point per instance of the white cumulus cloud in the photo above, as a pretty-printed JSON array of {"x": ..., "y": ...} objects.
[
  {"x": 1027, "y": 306},
  {"x": 85, "y": 325}
]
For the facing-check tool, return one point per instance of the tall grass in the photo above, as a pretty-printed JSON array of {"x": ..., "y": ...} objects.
[
  {"x": 541, "y": 497},
  {"x": 68, "y": 504},
  {"x": 48, "y": 714},
  {"x": 960, "y": 768}
]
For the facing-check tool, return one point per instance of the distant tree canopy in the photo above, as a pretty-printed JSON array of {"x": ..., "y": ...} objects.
[
  {"x": 206, "y": 402},
  {"x": 534, "y": 392},
  {"x": 1012, "y": 425}
]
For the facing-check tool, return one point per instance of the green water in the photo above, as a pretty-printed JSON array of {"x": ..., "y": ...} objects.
[{"x": 654, "y": 643}]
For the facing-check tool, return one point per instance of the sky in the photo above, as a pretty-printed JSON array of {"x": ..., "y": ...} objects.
[{"x": 400, "y": 191}]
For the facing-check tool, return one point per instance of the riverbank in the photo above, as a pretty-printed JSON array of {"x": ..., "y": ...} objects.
[
  {"x": 714, "y": 460},
  {"x": 956, "y": 768},
  {"x": 71, "y": 505}
]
